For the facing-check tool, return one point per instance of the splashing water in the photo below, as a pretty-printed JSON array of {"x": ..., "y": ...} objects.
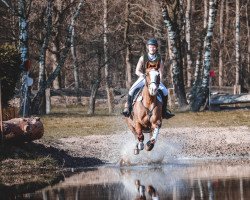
[{"x": 162, "y": 152}]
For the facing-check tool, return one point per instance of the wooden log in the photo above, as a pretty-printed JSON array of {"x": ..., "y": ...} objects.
[
  {"x": 22, "y": 129},
  {"x": 230, "y": 99}
]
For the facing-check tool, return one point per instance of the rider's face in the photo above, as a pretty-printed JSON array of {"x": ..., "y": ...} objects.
[{"x": 152, "y": 49}]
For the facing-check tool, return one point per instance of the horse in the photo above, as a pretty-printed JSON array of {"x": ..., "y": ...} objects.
[{"x": 146, "y": 116}]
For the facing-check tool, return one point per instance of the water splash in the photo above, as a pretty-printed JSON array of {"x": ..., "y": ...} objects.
[{"x": 163, "y": 151}]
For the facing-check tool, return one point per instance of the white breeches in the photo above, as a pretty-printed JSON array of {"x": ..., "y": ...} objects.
[{"x": 141, "y": 82}]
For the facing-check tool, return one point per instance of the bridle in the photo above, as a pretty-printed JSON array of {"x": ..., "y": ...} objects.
[{"x": 157, "y": 81}]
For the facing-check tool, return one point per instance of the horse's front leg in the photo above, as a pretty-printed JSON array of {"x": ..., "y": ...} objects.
[
  {"x": 150, "y": 144},
  {"x": 140, "y": 139}
]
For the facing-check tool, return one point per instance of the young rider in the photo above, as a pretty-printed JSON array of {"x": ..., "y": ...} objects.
[{"x": 151, "y": 57}]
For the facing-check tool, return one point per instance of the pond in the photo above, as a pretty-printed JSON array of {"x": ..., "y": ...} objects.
[{"x": 164, "y": 182}]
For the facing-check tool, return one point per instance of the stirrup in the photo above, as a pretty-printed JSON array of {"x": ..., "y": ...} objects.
[{"x": 168, "y": 114}]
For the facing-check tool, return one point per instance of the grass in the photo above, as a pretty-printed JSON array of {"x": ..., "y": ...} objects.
[{"x": 66, "y": 122}]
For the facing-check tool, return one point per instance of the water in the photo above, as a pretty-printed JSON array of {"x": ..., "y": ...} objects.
[{"x": 164, "y": 182}]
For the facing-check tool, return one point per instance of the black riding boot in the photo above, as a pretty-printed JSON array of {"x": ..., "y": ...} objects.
[
  {"x": 166, "y": 114},
  {"x": 127, "y": 110}
]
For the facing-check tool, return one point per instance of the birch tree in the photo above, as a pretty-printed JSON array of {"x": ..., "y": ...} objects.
[
  {"x": 221, "y": 40},
  {"x": 248, "y": 43},
  {"x": 128, "y": 46},
  {"x": 109, "y": 89},
  {"x": 23, "y": 39},
  {"x": 43, "y": 51},
  {"x": 36, "y": 102},
  {"x": 170, "y": 13},
  {"x": 205, "y": 17},
  {"x": 75, "y": 63},
  {"x": 199, "y": 92},
  {"x": 22, "y": 13},
  {"x": 188, "y": 40},
  {"x": 237, "y": 43}
]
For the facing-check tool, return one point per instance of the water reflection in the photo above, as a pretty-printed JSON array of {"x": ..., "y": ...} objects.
[{"x": 175, "y": 182}]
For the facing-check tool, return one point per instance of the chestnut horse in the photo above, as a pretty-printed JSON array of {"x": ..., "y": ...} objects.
[{"x": 147, "y": 112}]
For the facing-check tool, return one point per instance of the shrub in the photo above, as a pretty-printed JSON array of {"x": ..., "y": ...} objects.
[{"x": 9, "y": 71}]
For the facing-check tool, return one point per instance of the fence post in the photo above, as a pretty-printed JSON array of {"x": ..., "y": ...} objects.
[{"x": 171, "y": 99}]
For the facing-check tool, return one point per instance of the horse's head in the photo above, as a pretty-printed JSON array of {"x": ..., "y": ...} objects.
[{"x": 152, "y": 81}]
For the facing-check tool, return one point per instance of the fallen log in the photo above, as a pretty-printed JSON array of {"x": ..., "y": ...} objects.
[
  {"x": 230, "y": 99},
  {"x": 217, "y": 100},
  {"x": 22, "y": 130}
]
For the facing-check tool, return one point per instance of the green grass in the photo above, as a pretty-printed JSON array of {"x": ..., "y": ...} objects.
[{"x": 66, "y": 122}]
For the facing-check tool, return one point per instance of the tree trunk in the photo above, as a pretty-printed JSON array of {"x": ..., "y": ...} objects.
[
  {"x": 1, "y": 111},
  {"x": 188, "y": 40},
  {"x": 221, "y": 43},
  {"x": 38, "y": 97},
  {"x": 170, "y": 16},
  {"x": 22, "y": 130},
  {"x": 48, "y": 101},
  {"x": 42, "y": 58},
  {"x": 200, "y": 90},
  {"x": 95, "y": 87},
  {"x": 92, "y": 97},
  {"x": 109, "y": 90},
  {"x": 248, "y": 45},
  {"x": 237, "y": 43},
  {"x": 23, "y": 39},
  {"x": 75, "y": 65},
  {"x": 128, "y": 46},
  {"x": 205, "y": 14},
  {"x": 54, "y": 62}
]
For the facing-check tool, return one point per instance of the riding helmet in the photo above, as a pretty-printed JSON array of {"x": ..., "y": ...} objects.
[{"x": 152, "y": 41}]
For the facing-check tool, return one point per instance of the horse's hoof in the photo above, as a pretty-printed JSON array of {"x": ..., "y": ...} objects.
[
  {"x": 149, "y": 145},
  {"x": 136, "y": 151},
  {"x": 140, "y": 146}
]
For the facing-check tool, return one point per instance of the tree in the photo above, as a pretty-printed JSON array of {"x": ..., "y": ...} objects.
[
  {"x": 128, "y": 45},
  {"x": 23, "y": 36},
  {"x": 109, "y": 89},
  {"x": 42, "y": 62},
  {"x": 38, "y": 97},
  {"x": 10, "y": 72},
  {"x": 188, "y": 40},
  {"x": 170, "y": 12},
  {"x": 221, "y": 43},
  {"x": 237, "y": 43},
  {"x": 199, "y": 91},
  {"x": 75, "y": 62}
]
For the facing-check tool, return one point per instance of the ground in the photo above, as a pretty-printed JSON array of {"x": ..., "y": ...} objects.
[
  {"x": 173, "y": 145},
  {"x": 73, "y": 139}
]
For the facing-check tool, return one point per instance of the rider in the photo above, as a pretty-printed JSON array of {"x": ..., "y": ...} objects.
[{"x": 151, "y": 57}]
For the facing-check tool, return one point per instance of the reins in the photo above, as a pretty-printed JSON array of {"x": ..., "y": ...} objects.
[{"x": 148, "y": 111}]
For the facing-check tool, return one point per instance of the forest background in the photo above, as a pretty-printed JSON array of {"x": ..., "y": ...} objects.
[{"x": 95, "y": 45}]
